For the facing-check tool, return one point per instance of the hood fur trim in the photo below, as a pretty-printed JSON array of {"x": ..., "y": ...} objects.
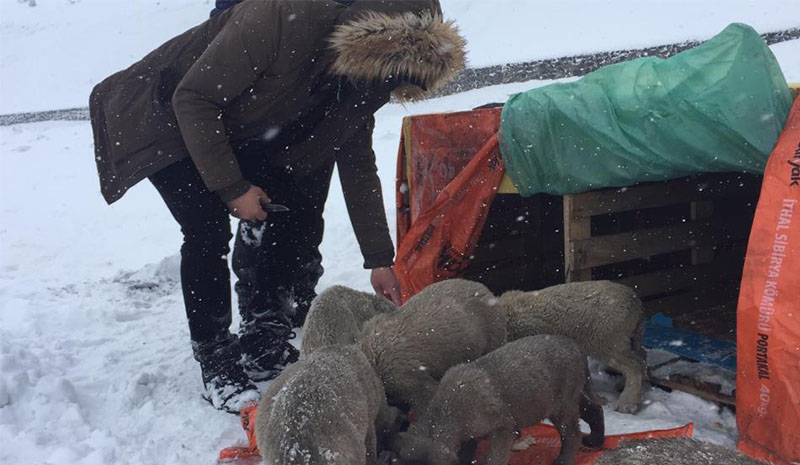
[{"x": 422, "y": 50}]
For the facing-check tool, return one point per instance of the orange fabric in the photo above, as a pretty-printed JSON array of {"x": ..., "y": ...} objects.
[
  {"x": 435, "y": 148},
  {"x": 248, "y": 418},
  {"x": 768, "y": 335},
  {"x": 547, "y": 445},
  {"x": 454, "y": 168},
  {"x": 545, "y": 449}
]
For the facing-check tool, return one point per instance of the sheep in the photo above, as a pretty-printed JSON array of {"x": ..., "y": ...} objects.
[
  {"x": 337, "y": 315},
  {"x": 329, "y": 408},
  {"x": 445, "y": 324},
  {"x": 673, "y": 451},
  {"x": 514, "y": 387},
  {"x": 604, "y": 318}
]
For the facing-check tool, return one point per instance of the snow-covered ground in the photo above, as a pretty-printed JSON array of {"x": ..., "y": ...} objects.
[
  {"x": 95, "y": 362},
  {"x": 52, "y": 54}
]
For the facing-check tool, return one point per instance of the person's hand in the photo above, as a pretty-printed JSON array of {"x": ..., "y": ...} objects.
[
  {"x": 248, "y": 205},
  {"x": 385, "y": 284}
]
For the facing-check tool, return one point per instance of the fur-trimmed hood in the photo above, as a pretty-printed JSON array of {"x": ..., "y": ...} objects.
[{"x": 419, "y": 49}]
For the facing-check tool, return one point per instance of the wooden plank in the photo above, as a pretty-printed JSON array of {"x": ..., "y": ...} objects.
[
  {"x": 717, "y": 322},
  {"x": 721, "y": 269},
  {"x": 707, "y": 391},
  {"x": 688, "y": 302},
  {"x": 575, "y": 228},
  {"x": 713, "y": 318},
  {"x": 700, "y": 210},
  {"x": 645, "y": 243},
  {"x": 661, "y": 194}
]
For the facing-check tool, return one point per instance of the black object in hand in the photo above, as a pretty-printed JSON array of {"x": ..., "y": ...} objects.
[{"x": 274, "y": 207}]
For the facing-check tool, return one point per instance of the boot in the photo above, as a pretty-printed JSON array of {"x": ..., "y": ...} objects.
[
  {"x": 303, "y": 288},
  {"x": 226, "y": 385},
  {"x": 302, "y": 303},
  {"x": 266, "y": 349}
]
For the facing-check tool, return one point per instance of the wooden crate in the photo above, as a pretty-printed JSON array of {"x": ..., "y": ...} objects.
[
  {"x": 520, "y": 247},
  {"x": 680, "y": 244}
]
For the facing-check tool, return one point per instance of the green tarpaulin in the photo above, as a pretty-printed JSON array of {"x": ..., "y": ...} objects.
[{"x": 718, "y": 107}]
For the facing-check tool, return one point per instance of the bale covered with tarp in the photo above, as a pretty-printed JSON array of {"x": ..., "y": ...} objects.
[{"x": 718, "y": 107}]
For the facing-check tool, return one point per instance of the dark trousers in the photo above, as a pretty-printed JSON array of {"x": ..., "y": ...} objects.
[{"x": 277, "y": 262}]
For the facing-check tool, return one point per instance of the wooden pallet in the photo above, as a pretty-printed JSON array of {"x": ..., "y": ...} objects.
[
  {"x": 687, "y": 383},
  {"x": 707, "y": 391},
  {"x": 680, "y": 244}
]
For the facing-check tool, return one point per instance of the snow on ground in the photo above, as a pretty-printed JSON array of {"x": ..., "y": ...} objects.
[
  {"x": 95, "y": 362},
  {"x": 55, "y": 52}
]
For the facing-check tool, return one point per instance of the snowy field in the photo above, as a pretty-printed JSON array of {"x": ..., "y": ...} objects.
[{"x": 95, "y": 362}]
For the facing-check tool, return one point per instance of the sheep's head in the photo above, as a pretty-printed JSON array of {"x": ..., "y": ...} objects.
[{"x": 414, "y": 449}]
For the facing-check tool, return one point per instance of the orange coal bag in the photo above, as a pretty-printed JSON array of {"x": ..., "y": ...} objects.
[
  {"x": 768, "y": 314},
  {"x": 439, "y": 243},
  {"x": 449, "y": 169},
  {"x": 242, "y": 453},
  {"x": 547, "y": 445},
  {"x": 545, "y": 448}
]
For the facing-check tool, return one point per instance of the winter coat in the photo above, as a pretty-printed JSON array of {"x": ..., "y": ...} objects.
[
  {"x": 265, "y": 68},
  {"x": 222, "y": 5}
]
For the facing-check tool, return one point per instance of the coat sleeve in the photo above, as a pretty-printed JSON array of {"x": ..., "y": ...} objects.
[
  {"x": 244, "y": 48},
  {"x": 362, "y": 194}
]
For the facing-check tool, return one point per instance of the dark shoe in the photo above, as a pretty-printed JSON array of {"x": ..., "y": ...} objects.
[
  {"x": 266, "y": 350},
  {"x": 227, "y": 386},
  {"x": 303, "y": 289}
]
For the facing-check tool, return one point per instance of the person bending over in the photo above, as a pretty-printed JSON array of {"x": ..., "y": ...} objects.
[{"x": 257, "y": 105}]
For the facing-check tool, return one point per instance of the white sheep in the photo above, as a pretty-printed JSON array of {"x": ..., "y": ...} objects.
[
  {"x": 514, "y": 387},
  {"x": 337, "y": 316},
  {"x": 673, "y": 451},
  {"x": 447, "y": 323},
  {"x": 327, "y": 409},
  {"x": 604, "y": 318}
]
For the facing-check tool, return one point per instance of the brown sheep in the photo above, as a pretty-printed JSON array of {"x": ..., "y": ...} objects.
[
  {"x": 448, "y": 323},
  {"x": 674, "y": 451},
  {"x": 327, "y": 409},
  {"x": 604, "y": 318},
  {"x": 337, "y": 316},
  {"x": 514, "y": 387}
]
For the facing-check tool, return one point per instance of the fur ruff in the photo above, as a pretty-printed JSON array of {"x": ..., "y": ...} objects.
[{"x": 421, "y": 49}]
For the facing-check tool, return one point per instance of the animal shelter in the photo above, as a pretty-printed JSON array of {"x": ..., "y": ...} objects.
[{"x": 680, "y": 239}]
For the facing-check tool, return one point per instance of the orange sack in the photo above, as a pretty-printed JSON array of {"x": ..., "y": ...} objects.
[
  {"x": 547, "y": 445},
  {"x": 442, "y": 208},
  {"x": 768, "y": 315},
  {"x": 544, "y": 450}
]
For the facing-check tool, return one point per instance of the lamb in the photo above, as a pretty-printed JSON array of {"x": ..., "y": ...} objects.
[
  {"x": 514, "y": 387},
  {"x": 604, "y": 318},
  {"x": 337, "y": 316},
  {"x": 329, "y": 408},
  {"x": 448, "y": 323},
  {"x": 674, "y": 451}
]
